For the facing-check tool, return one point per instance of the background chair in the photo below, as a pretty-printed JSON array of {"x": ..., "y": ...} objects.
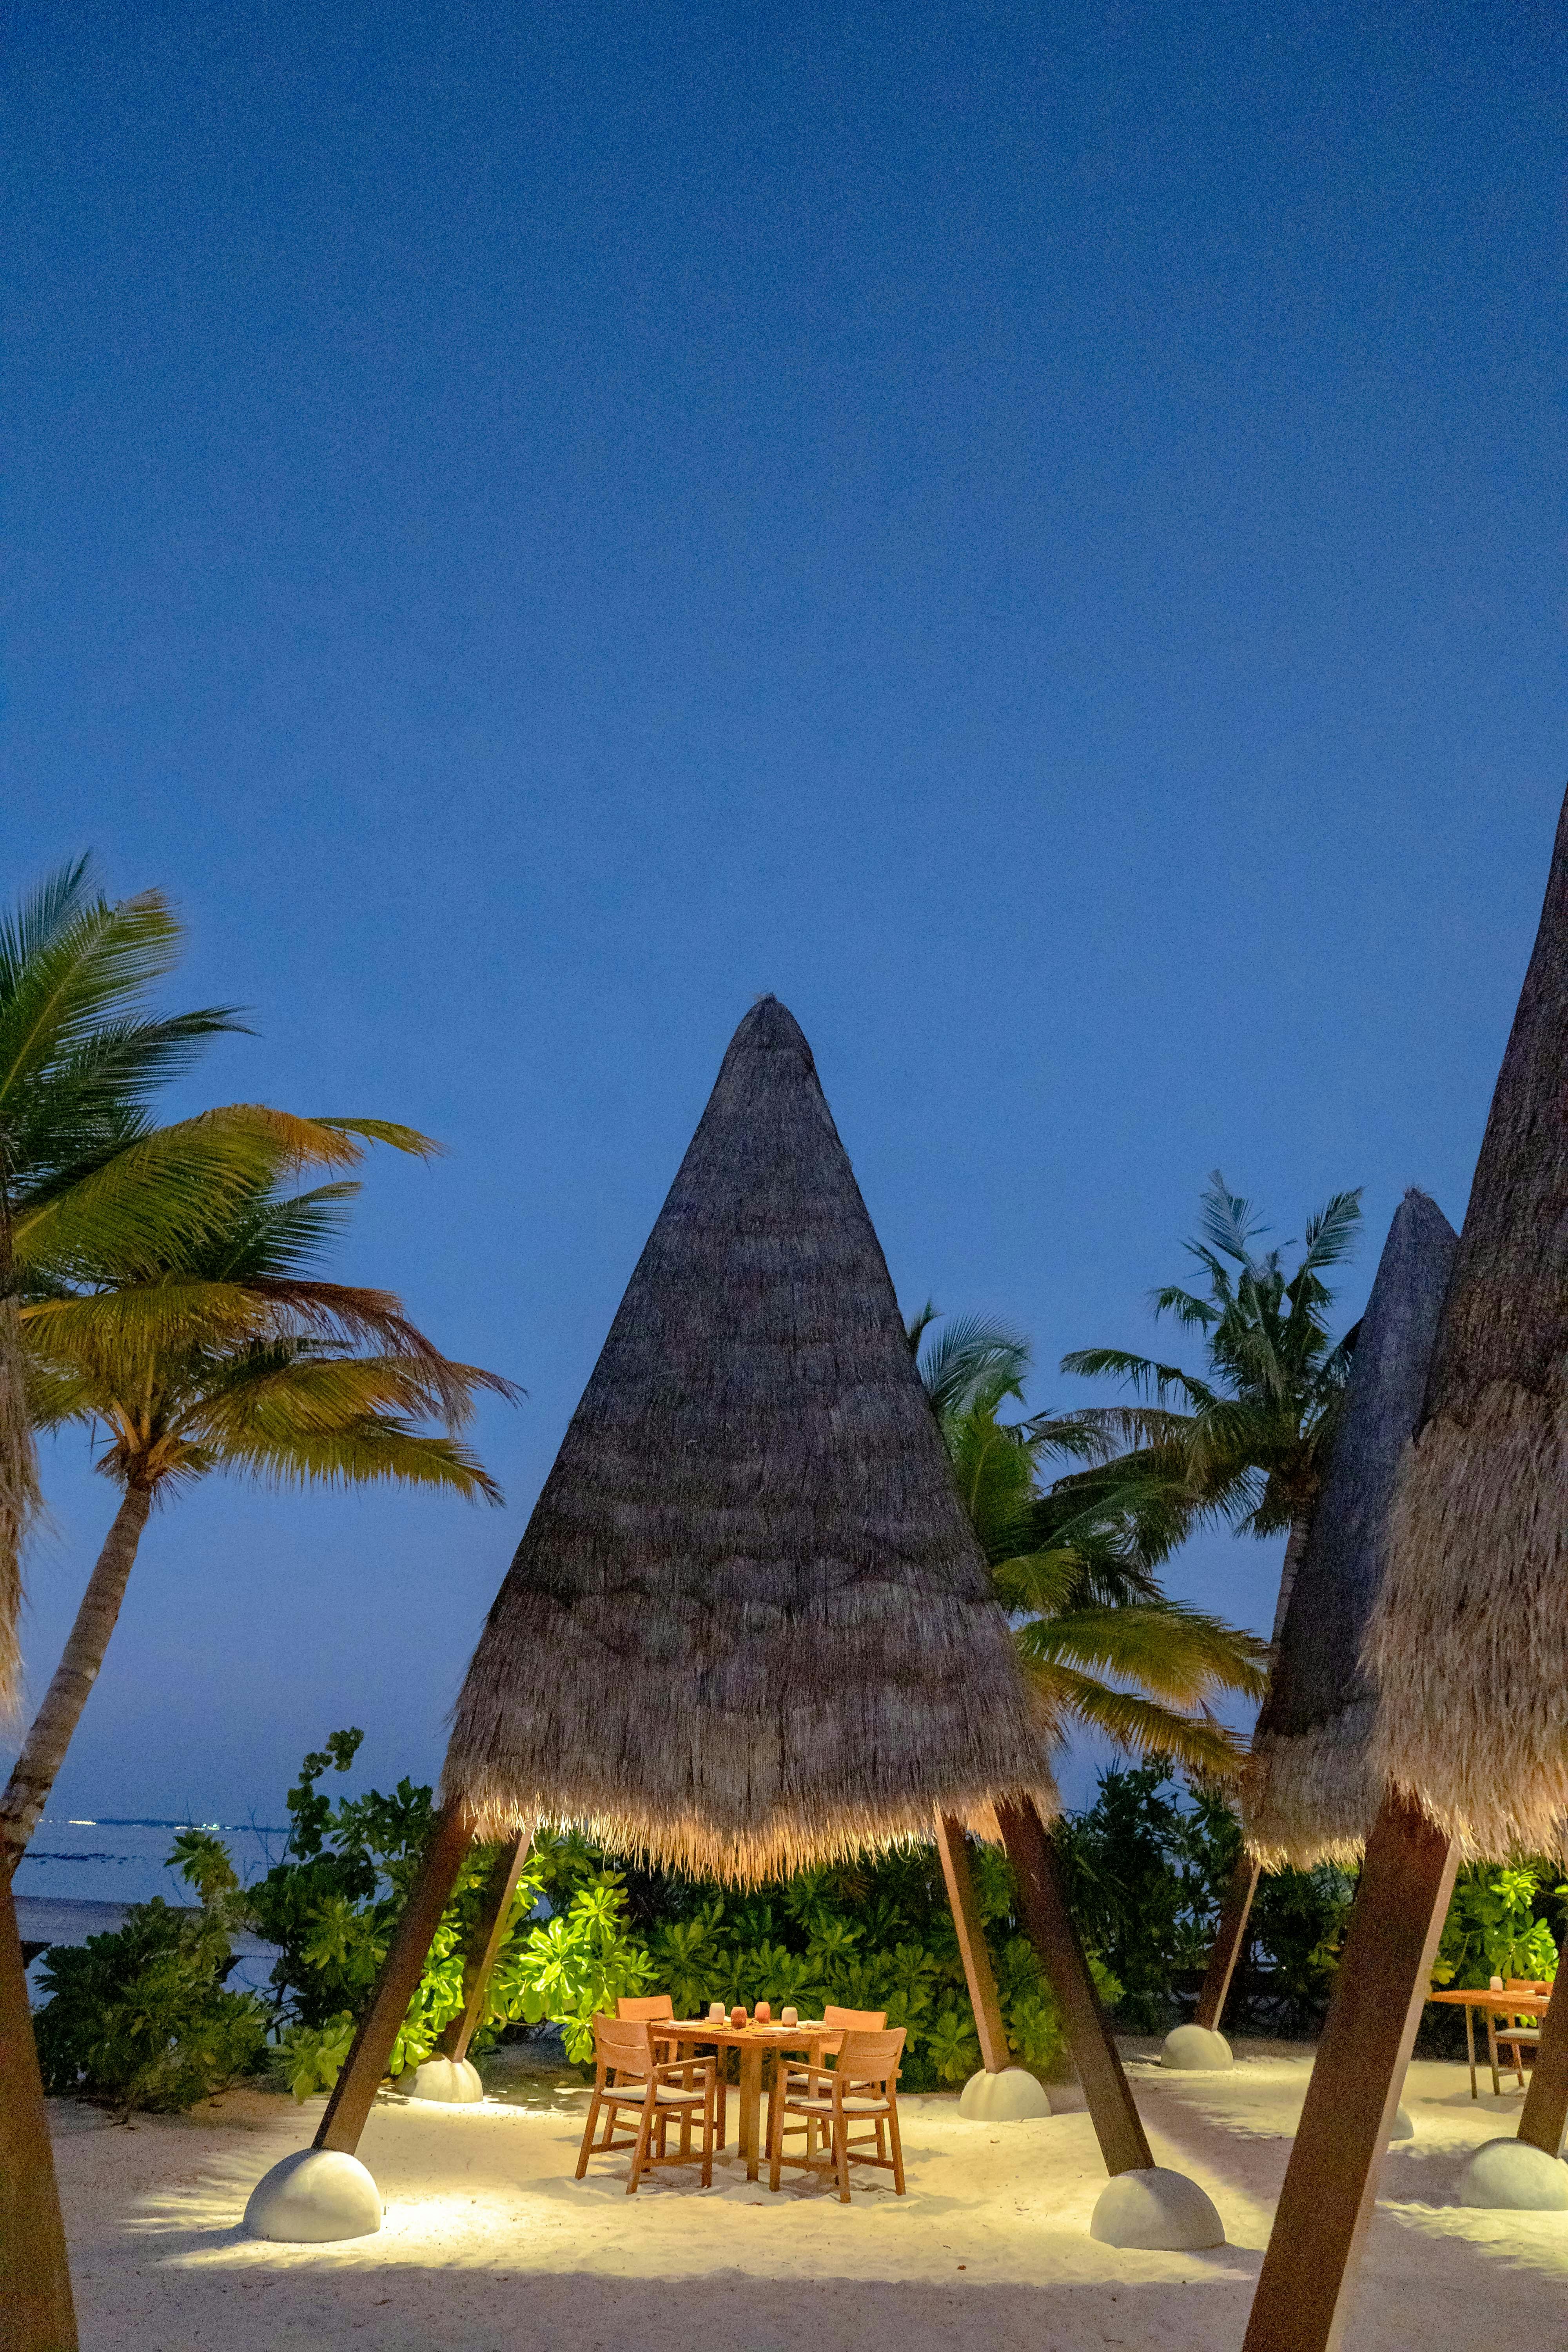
[
  {"x": 1518, "y": 2030},
  {"x": 859, "y": 2087},
  {"x": 656, "y": 2005},
  {"x": 629, "y": 2076}
]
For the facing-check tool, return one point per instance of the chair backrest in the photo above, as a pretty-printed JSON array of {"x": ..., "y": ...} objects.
[
  {"x": 855, "y": 2020},
  {"x": 871, "y": 2057},
  {"x": 623, "y": 2043},
  {"x": 645, "y": 2004}
]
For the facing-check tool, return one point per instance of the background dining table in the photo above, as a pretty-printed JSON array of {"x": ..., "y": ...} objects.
[
  {"x": 753, "y": 2041},
  {"x": 1520, "y": 2001}
]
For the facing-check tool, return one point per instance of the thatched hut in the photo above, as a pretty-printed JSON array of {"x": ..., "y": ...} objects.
[
  {"x": 1468, "y": 1639},
  {"x": 1310, "y": 1794},
  {"x": 748, "y": 1627}
]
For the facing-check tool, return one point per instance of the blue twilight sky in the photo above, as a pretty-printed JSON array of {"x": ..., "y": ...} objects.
[{"x": 1033, "y": 531}]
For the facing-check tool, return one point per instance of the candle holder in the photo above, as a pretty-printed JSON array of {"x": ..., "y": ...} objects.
[
  {"x": 789, "y": 2017},
  {"x": 715, "y": 2012},
  {"x": 762, "y": 2013},
  {"x": 738, "y": 2016}
]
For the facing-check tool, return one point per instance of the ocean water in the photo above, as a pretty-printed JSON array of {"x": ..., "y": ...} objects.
[
  {"x": 80, "y": 1876},
  {"x": 122, "y": 1861}
]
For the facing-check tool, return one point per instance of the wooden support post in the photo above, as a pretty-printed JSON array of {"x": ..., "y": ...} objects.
[
  {"x": 978, "y": 1974},
  {"x": 370, "y": 2051},
  {"x": 36, "y": 2309},
  {"x": 1042, "y": 1897},
  {"x": 1229, "y": 1936},
  {"x": 1545, "y": 2114},
  {"x": 1331, "y": 2182},
  {"x": 484, "y": 1947}
]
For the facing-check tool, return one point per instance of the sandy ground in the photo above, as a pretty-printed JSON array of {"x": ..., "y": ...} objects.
[{"x": 490, "y": 2244}]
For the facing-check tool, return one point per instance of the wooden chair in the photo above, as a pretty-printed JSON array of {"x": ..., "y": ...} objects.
[
  {"x": 629, "y": 2076},
  {"x": 859, "y": 2087},
  {"x": 656, "y": 2005},
  {"x": 791, "y": 2072},
  {"x": 1515, "y": 2031}
]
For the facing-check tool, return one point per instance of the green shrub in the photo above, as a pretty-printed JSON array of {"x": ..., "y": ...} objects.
[
  {"x": 140, "y": 2019},
  {"x": 1495, "y": 1925}
]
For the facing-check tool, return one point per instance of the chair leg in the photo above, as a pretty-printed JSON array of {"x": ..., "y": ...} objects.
[
  {"x": 588, "y": 2131},
  {"x": 841, "y": 2155},
  {"x": 898, "y": 2147},
  {"x": 640, "y": 2153},
  {"x": 708, "y": 2132}
]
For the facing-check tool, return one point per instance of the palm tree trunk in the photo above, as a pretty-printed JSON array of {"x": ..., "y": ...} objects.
[
  {"x": 1296, "y": 1544},
  {"x": 18, "y": 1495},
  {"x": 18, "y": 1465},
  {"x": 44, "y": 1749}
]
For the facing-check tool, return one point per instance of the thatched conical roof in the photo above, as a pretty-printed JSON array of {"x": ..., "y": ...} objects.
[
  {"x": 748, "y": 1626},
  {"x": 1308, "y": 1794},
  {"x": 1469, "y": 1639}
]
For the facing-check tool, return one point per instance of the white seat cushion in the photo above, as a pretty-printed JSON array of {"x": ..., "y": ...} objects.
[
  {"x": 631, "y": 2094},
  {"x": 852, "y": 2106}
]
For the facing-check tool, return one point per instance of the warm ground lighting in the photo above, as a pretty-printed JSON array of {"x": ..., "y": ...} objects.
[{"x": 489, "y": 2242}]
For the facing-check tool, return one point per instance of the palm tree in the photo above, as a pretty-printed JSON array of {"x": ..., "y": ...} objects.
[
  {"x": 1074, "y": 1562},
  {"x": 79, "y": 1162},
  {"x": 234, "y": 1354},
  {"x": 85, "y": 1176},
  {"x": 1248, "y": 1441}
]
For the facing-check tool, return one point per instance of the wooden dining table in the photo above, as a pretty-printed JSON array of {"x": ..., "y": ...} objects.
[
  {"x": 1520, "y": 2001},
  {"x": 753, "y": 2041}
]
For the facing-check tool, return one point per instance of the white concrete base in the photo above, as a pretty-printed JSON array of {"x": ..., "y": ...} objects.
[
  {"x": 1009, "y": 2097},
  {"x": 1162, "y": 2210},
  {"x": 1403, "y": 2129},
  {"x": 1509, "y": 2172},
  {"x": 313, "y": 2196},
  {"x": 452, "y": 2081},
  {"x": 1195, "y": 2050}
]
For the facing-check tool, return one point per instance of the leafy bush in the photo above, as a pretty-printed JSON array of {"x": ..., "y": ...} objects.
[
  {"x": 1494, "y": 1926},
  {"x": 140, "y": 2019},
  {"x": 1148, "y": 1866}
]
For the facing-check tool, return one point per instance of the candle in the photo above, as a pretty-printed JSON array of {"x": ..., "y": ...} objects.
[
  {"x": 715, "y": 2012},
  {"x": 791, "y": 2016}
]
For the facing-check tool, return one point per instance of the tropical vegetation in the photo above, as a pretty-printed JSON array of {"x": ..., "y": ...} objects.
[
  {"x": 1246, "y": 1442},
  {"x": 229, "y": 1352},
  {"x": 1074, "y": 1561}
]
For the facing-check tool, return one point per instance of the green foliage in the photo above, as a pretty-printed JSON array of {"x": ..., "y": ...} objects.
[
  {"x": 1494, "y": 1927},
  {"x": 1147, "y": 1870},
  {"x": 1073, "y": 1562},
  {"x": 140, "y": 2019},
  {"x": 1250, "y": 1439}
]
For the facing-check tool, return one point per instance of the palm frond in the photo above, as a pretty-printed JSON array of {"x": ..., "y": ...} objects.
[
  {"x": 1199, "y": 1744},
  {"x": 1178, "y": 1653},
  {"x": 974, "y": 1354}
]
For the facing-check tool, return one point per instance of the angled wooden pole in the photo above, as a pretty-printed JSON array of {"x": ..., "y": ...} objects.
[
  {"x": 1042, "y": 1897},
  {"x": 484, "y": 1946},
  {"x": 1546, "y": 2116},
  {"x": 1228, "y": 1938},
  {"x": 1331, "y": 2182},
  {"x": 35, "y": 2310},
  {"x": 978, "y": 1973},
  {"x": 371, "y": 2052}
]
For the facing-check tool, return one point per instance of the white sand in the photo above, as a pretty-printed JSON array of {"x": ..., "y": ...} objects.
[{"x": 490, "y": 2242}]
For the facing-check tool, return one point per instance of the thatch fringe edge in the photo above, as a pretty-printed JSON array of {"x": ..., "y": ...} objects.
[
  {"x": 1311, "y": 1798},
  {"x": 750, "y": 1857}
]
